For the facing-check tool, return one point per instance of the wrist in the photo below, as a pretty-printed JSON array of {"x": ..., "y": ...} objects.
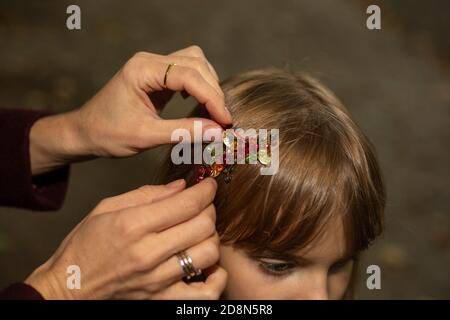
[
  {"x": 48, "y": 285},
  {"x": 56, "y": 141}
]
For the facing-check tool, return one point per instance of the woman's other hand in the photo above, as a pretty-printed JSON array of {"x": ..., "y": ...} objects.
[
  {"x": 125, "y": 248},
  {"x": 123, "y": 118}
]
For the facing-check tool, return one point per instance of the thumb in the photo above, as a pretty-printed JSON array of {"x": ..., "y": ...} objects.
[
  {"x": 143, "y": 195},
  {"x": 171, "y": 131}
]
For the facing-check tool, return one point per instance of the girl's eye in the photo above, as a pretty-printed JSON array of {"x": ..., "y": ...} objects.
[
  {"x": 340, "y": 265},
  {"x": 276, "y": 268}
]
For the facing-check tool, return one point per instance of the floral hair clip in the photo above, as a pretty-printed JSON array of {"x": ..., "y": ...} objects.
[{"x": 253, "y": 151}]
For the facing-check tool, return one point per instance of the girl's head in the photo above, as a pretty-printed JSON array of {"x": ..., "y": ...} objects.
[{"x": 295, "y": 234}]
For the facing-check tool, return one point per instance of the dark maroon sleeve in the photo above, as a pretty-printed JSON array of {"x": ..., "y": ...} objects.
[
  {"x": 17, "y": 186},
  {"x": 20, "y": 291}
]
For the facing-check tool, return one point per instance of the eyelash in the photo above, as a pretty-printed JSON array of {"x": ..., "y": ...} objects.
[
  {"x": 270, "y": 268},
  {"x": 342, "y": 264}
]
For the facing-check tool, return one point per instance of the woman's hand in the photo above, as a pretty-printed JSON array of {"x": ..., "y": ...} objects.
[
  {"x": 125, "y": 247},
  {"x": 123, "y": 119}
]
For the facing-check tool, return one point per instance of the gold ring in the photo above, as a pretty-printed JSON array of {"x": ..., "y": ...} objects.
[{"x": 167, "y": 72}]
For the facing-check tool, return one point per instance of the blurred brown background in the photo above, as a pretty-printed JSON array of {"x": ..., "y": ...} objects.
[{"x": 396, "y": 83}]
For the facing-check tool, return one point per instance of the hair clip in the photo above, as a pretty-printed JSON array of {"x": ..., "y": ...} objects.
[{"x": 230, "y": 144}]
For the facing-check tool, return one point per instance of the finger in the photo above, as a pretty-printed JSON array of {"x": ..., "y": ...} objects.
[
  {"x": 196, "y": 51},
  {"x": 211, "y": 289},
  {"x": 144, "y": 195},
  {"x": 167, "y": 130},
  {"x": 201, "y": 65},
  {"x": 213, "y": 71},
  {"x": 174, "y": 210},
  {"x": 203, "y": 255},
  {"x": 177, "y": 238},
  {"x": 216, "y": 280},
  {"x": 181, "y": 78},
  {"x": 189, "y": 79}
]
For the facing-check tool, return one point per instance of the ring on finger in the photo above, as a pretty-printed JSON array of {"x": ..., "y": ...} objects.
[
  {"x": 187, "y": 265},
  {"x": 167, "y": 73}
]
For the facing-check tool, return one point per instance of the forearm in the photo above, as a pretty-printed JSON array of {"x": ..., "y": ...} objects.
[{"x": 56, "y": 141}]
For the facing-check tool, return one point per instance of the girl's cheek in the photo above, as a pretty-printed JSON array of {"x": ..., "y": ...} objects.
[{"x": 340, "y": 282}]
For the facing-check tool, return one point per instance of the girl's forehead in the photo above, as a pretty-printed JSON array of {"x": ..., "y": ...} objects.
[{"x": 327, "y": 248}]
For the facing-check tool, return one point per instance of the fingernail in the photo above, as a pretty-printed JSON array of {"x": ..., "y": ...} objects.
[
  {"x": 213, "y": 126},
  {"x": 175, "y": 184},
  {"x": 213, "y": 129}
]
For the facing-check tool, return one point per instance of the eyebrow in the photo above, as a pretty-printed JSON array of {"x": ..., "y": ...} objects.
[{"x": 287, "y": 256}]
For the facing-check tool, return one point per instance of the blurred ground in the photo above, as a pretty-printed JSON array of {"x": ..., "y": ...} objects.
[{"x": 396, "y": 82}]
